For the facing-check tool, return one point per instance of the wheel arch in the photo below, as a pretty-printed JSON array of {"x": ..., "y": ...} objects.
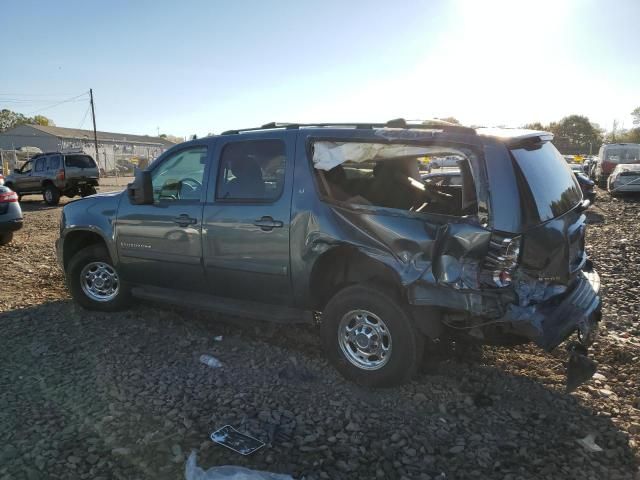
[
  {"x": 76, "y": 240},
  {"x": 346, "y": 265}
]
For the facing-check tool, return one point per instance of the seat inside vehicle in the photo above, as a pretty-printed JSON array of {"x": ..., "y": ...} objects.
[{"x": 405, "y": 182}]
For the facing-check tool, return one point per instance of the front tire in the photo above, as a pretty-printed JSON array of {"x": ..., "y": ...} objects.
[
  {"x": 6, "y": 238},
  {"x": 94, "y": 282},
  {"x": 51, "y": 195},
  {"x": 370, "y": 338}
]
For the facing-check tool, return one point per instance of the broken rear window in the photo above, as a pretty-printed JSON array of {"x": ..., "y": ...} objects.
[{"x": 420, "y": 178}]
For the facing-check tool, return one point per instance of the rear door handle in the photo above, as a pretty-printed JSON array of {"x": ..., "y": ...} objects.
[
  {"x": 267, "y": 223},
  {"x": 185, "y": 220}
]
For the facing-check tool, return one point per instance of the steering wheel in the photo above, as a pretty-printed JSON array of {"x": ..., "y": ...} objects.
[{"x": 191, "y": 183}]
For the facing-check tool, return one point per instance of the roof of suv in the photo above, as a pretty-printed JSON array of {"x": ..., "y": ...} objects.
[{"x": 506, "y": 135}]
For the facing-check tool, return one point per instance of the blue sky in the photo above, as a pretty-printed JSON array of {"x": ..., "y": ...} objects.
[{"x": 204, "y": 66}]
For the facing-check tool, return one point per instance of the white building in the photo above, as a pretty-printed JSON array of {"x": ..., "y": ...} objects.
[{"x": 113, "y": 148}]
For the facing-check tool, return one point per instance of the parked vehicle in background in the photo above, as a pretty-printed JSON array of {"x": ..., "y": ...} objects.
[
  {"x": 587, "y": 185},
  {"x": 625, "y": 178},
  {"x": 10, "y": 214},
  {"x": 285, "y": 221},
  {"x": 55, "y": 174},
  {"x": 611, "y": 155}
]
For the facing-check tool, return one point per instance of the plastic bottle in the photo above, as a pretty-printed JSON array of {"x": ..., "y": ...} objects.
[{"x": 210, "y": 361}]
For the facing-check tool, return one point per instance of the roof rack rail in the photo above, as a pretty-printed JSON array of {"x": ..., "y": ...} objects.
[{"x": 395, "y": 123}]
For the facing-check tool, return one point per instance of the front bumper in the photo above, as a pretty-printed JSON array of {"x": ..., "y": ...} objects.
[
  {"x": 550, "y": 323},
  {"x": 11, "y": 225}
]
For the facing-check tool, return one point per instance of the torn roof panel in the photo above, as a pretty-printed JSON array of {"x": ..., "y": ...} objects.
[{"x": 328, "y": 155}]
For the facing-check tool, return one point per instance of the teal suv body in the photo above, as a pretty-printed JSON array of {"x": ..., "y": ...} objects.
[{"x": 334, "y": 223}]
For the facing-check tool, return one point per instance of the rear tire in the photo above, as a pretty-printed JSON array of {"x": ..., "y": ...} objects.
[
  {"x": 85, "y": 192},
  {"x": 94, "y": 282},
  {"x": 6, "y": 238},
  {"x": 370, "y": 338},
  {"x": 51, "y": 195}
]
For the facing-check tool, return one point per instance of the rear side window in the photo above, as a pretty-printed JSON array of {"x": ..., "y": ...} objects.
[
  {"x": 548, "y": 181},
  {"x": 79, "y": 161},
  {"x": 40, "y": 165},
  {"x": 251, "y": 171},
  {"x": 53, "y": 162}
]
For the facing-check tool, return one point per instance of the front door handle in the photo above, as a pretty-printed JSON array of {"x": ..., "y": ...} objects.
[
  {"x": 185, "y": 220},
  {"x": 267, "y": 223}
]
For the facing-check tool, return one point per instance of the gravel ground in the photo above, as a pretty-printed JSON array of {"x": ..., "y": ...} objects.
[{"x": 100, "y": 396}]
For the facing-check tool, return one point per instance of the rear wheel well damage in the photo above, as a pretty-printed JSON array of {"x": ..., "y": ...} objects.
[
  {"x": 76, "y": 241},
  {"x": 345, "y": 265}
]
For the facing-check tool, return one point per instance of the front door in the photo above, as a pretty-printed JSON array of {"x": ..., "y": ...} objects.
[
  {"x": 161, "y": 244},
  {"x": 23, "y": 177},
  {"x": 247, "y": 217}
]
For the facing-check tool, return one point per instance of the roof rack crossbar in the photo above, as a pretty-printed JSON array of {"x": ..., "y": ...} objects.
[{"x": 395, "y": 123}]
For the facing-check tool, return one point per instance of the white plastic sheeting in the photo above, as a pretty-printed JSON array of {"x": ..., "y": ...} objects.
[
  {"x": 227, "y": 472},
  {"x": 327, "y": 155}
]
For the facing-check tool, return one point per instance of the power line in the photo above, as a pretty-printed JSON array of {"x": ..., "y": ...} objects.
[
  {"x": 58, "y": 103},
  {"x": 86, "y": 112}
]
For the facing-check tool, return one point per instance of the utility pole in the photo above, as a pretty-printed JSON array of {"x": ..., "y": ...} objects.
[{"x": 95, "y": 134}]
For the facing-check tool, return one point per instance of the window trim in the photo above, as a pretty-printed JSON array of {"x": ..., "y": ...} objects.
[
  {"x": 170, "y": 154},
  {"x": 249, "y": 201}
]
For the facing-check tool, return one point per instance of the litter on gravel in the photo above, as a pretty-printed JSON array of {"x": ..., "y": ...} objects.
[
  {"x": 210, "y": 361},
  {"x": 227, "y": 472},
  {"x": 239, "y": 442},
  {"x": 589, "y": 444}
]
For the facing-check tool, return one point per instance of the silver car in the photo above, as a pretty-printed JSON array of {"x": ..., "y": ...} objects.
[
  {"x": 625, "y": 178},
  {"x": 10, "y": 214}
]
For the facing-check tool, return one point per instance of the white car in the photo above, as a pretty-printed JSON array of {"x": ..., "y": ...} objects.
[{"x": 625, "y": 178}]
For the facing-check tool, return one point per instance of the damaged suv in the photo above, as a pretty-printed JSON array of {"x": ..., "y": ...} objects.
[{"x": 347, "y": 225}]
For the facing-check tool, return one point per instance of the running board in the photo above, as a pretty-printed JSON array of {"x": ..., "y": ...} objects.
[{"x": 225, "y": 306}]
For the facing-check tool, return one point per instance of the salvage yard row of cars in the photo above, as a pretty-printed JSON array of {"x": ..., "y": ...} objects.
[{"x": 343, "y": 223}]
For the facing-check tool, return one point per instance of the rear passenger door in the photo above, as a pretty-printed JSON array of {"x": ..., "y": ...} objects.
[{"x": 247, "y": 218}]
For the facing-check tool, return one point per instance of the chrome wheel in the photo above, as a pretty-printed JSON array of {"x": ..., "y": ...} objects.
[
  {"x": 364, "y": 339},
  {"x": 48, "y": 196},
  {"x": 99, "y": 281}
]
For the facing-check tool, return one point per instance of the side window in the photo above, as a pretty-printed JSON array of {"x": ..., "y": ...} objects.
[
  {"x": 251, "y": 170},
  {"x": 40, "y": 163},
  {"x": 180, "y": 176},
  {"x": 53, "y": 162}
]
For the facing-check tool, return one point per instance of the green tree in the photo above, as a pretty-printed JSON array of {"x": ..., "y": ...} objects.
[
  {"x": 42, "y": 120},
  {"x": 453, "y": 120},
  {"x": 535, "y": 126},
  {"x": 575, "y": 134},
  {"x": 10, "y": 119}
]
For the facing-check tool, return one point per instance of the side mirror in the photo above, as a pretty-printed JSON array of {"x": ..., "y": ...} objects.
[
  {"x": 141, "y": 189},
  {"x": 16, "y": 170}
]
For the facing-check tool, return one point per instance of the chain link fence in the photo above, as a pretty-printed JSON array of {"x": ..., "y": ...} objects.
[{"x": 114, "y": 159}]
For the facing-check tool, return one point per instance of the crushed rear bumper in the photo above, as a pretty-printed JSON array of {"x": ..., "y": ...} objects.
[{"x": 549, "y": 324}]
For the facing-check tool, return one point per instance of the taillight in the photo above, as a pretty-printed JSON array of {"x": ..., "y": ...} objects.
[
  {"x": 8, "y": 197},
  {"x": 501, "y": 260},
  {"x": 60, "y": 175},
  {"x": 608, "y": 166}
]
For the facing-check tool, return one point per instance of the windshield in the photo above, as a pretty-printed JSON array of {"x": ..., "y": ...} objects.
[
  {"x": 553, "y": 188},
  {"x": 79, "y": 161}
]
